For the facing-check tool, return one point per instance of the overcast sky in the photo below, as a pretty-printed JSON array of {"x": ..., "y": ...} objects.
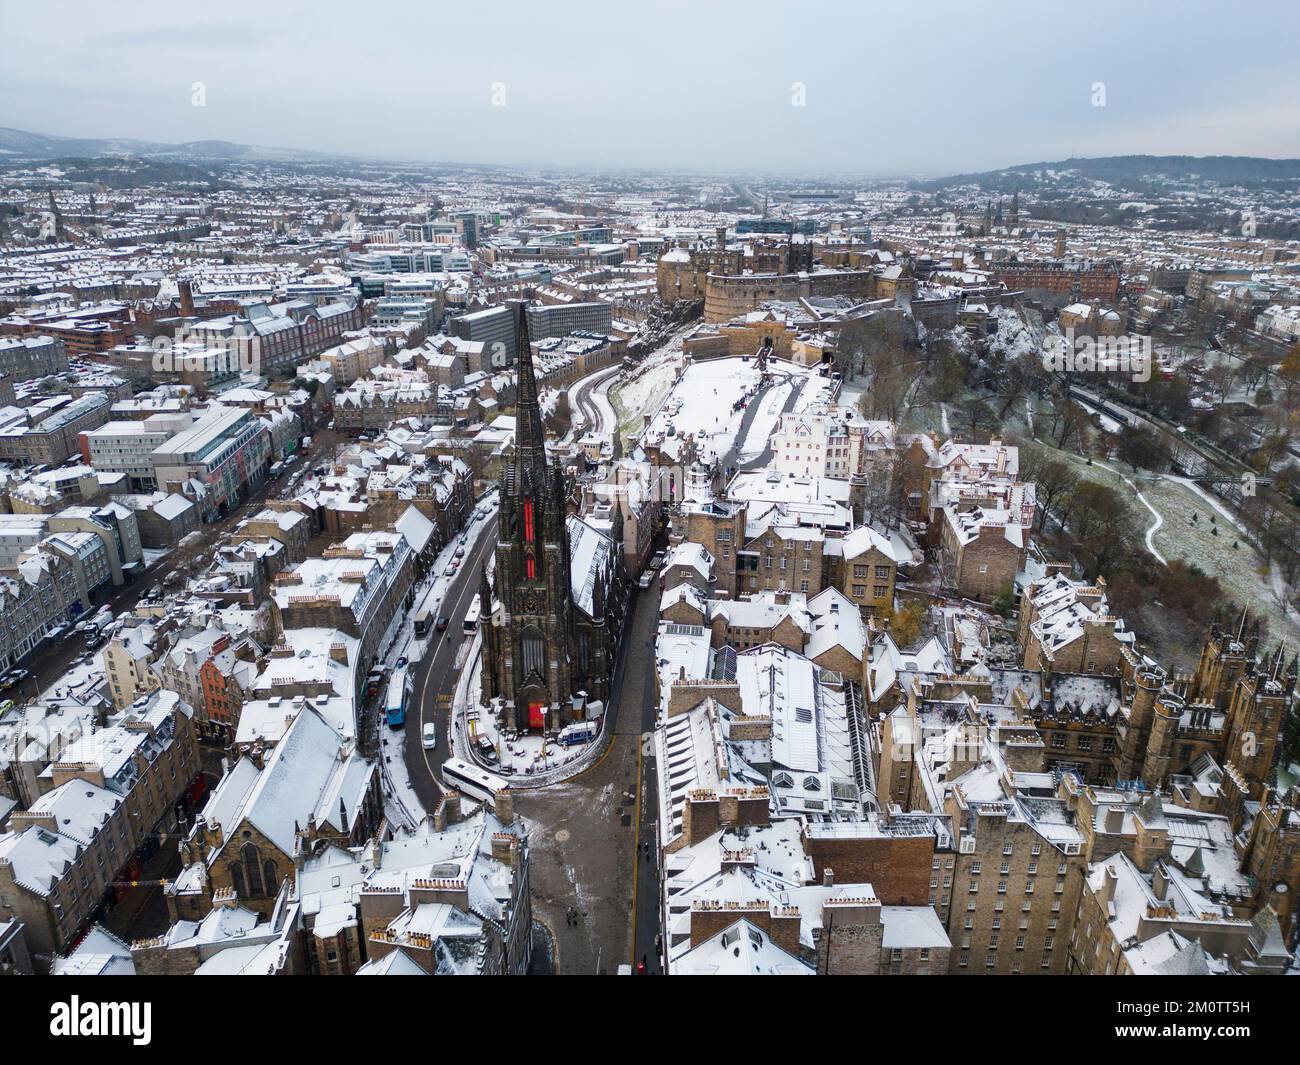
[{"x": 890, "y": 88}]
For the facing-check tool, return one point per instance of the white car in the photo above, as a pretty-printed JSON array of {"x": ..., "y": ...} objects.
[{"x": 429, "y": 736}]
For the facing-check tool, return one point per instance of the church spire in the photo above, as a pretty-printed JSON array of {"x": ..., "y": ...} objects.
[{"x": 530, "y": 436}]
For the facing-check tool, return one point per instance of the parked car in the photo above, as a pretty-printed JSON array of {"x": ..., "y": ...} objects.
[
  {"x": 451, "y": 569},
  {"x": 647, "y": 579},
  {"x": 16, "y": 676},
  {"x": 460, "y": 552},
  {"x": 429, "y": 736},
  {"x": 401, "y": 661},
  {"x": 486, "y": 749}
]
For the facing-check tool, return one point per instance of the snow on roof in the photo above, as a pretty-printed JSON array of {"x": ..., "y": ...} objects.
[
  {"x": 739, "y": 950},
  {"x": 310, "y": 772},
  {"x": 100, "y": 953},
  {"x": 590, "y": 555},
  {"x": 912, "y": 928},
  {"x": 415, "y": 527}
]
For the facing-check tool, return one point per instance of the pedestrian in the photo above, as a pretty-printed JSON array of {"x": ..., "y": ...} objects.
[{"x": 640, "y": 967}]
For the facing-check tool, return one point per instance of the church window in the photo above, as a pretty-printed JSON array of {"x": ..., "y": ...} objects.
[
  {"x": 251, "y": 859},
  {"x": 528, "y": 521},
  {"x": 530, "y": 567},
  {"x": 534, "y": 652}
]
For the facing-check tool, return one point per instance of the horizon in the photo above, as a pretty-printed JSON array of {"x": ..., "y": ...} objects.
[{"x": 752, "y": 90}]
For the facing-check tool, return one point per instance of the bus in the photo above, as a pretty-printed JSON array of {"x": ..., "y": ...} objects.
[
  {"x": 395, "y": 699},
  {"x": 471, "y": 617},
  {"x": 471, "y": 780},
  {"x": 421, "y": 622}
]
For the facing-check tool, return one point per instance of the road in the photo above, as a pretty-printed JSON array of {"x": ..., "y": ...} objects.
[
  {"x": 597, "y": 414},
  {"x": 436, "y": 675}
]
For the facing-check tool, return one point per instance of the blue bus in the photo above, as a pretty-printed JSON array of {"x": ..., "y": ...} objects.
[{"x": 395, "y": 699}]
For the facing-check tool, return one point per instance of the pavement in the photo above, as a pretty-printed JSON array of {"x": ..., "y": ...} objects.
[{"x": 586, "y": 833}]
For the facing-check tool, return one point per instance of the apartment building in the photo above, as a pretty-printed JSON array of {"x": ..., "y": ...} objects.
[
  {"x": 109, "y": 791},
  {"x": 218, "y": 461}
]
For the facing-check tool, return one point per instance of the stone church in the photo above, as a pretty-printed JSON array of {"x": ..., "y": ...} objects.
[{"x": 559, "y": 593}]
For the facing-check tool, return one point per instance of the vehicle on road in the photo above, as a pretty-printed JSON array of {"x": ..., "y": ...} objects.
[
  {"x": 578, "y": 732},
  {"x": 403, "y": 660},
  {"x": 472, "y": 617},
  {"x": 395, "y": 699},
  {"x": 442, "y": 623},
  {"x": 471, "y": 780},
  {"x": 429, "y": 736},
  {"x": 656, "y": 561},
  {"x": 460, "y": 552},
  {"x": 486, "y": 749},
  {"x": 421, "y": 624},
  {"x": 647, "y": 579},
  {"x": 449, "y": 571}
]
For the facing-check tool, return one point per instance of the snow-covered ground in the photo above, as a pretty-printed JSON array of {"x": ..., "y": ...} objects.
[
  {"x": 704, "y": 405},
  {"x": 519, "y": 756},
  {"x": 764, "y": 423}
]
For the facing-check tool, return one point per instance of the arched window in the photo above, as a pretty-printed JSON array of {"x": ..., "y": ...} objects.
[
  {"x": 252, "y": 862},
  {"x": 237, "y": 879},
  {"x": 533, "y": 649},
  {"x": 268, "y": 874}
]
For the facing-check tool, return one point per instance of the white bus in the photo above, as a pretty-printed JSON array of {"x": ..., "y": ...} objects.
[
  {"x": 471, "y": 780},
  {"x": 472, "y": 616}
]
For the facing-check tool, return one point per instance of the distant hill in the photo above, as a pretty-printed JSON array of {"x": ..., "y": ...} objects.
[
  {"x": 20, "y": 144},
  {"x": 1131, "y": 171}
]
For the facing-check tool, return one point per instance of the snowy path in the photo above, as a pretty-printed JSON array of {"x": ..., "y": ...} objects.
[{"x": 1155, "y": 526}]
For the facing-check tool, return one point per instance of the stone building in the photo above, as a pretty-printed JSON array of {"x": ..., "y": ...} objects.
[
  {"x": 558, "y": 592},
  {"x": 313, "y": 785}
]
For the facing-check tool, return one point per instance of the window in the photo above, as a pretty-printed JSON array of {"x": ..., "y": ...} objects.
[
  {"x": 528, "y": 521},
  {"x": 534, "y": 652}
]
